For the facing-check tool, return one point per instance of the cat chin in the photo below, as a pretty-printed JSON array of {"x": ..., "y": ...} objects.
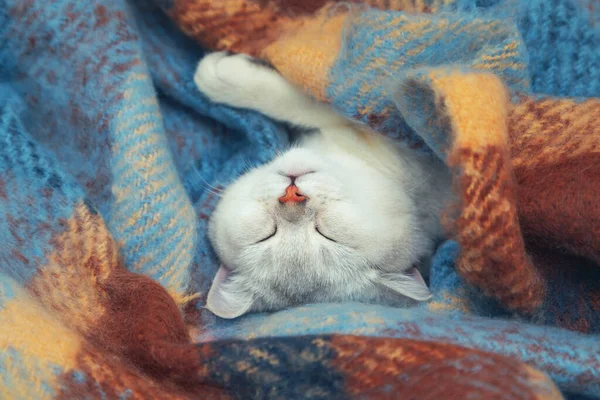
[
  {"x": 376, "y": 296},
  {"x": 233, "y": 295}
]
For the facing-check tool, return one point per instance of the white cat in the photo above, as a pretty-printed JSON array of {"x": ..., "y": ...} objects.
[{"x": 345, "y": 214}]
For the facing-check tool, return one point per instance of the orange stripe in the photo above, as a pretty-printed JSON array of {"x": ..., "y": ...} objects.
[{"x": 306, "y": 54}]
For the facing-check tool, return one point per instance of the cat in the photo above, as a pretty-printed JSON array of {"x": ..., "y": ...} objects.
[{"x": 344, "y": 215}]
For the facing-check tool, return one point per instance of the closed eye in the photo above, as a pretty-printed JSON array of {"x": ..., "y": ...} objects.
[
  {"x": 325, "y": 236},
  {"x": 268, "y": 237}
]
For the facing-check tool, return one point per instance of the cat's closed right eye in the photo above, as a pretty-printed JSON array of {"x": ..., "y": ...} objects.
[
  {"x": 268, "y": 237},
  {"x": 322, "y": 234}
]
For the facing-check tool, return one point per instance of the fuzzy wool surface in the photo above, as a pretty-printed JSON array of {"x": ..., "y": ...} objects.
[{"x": 110, "y": 159}]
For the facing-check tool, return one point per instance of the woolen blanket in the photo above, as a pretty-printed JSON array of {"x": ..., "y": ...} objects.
[{"x": 108, "y": 154}]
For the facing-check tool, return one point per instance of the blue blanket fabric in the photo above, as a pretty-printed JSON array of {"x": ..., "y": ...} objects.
[{"x": 97, "y": 102}]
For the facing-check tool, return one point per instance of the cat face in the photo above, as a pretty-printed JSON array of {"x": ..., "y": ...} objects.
[{"x": 343, "y": 231}]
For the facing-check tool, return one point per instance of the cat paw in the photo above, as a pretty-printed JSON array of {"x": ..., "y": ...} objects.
[{"x": 233, "y": 79}]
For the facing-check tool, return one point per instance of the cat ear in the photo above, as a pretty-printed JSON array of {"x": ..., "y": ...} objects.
[
  {"x": 409, "y": 283},
  {"x": 225, "y": 298}
]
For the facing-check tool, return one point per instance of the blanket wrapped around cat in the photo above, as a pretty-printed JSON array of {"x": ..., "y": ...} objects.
[{"x": 108, "y": 154}]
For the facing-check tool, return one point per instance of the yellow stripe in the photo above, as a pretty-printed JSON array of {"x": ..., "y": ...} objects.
[
  {"x": 77, "y": 267},
  {"x": 477, "y": 105},
  {"x": 42, "y": 343}
]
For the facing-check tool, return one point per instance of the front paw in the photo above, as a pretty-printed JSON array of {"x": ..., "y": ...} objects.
[
  {"x": 209, "y": 79},
  {"x": 234, "y": 79},
  {"x": 223, "y": 76}
]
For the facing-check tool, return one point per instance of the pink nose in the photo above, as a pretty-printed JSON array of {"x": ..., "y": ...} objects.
[{"x": 292, "y": 195}]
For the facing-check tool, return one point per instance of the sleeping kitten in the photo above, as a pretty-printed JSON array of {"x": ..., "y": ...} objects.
[{"x": 345, "y": 214}]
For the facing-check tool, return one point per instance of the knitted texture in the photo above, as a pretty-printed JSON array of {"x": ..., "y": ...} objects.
[{"x": 110, "y": 157}]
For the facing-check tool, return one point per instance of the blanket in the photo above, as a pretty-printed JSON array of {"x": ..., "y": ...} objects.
[{"x": 109, "y": 157}]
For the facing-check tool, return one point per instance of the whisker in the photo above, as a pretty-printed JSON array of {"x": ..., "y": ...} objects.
[
  {"x": 411, "y": 190},
  {"x": 211, "y": 188},
  {"x": 247, "y": 165},
  {"x": 218, "y": 194}
]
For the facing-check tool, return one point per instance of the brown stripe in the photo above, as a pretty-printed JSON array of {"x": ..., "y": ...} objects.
[
  {"x": 121, "y": 313},
  {"x": 104, "y": 376},
  {"x": 555, "y": 151},
  {"x": 492, "y": 249},
  {"x": 559, "y": 204},
  {"x": 404, "y": 369}
]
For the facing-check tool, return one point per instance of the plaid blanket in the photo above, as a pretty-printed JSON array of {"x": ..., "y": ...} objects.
[{"x": 108, "y": 154}]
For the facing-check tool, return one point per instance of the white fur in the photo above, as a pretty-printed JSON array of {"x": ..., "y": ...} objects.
[{"x": 380, "y": 204}]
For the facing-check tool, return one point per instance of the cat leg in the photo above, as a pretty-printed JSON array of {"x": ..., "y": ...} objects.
[{"x": 240, "y": 81}]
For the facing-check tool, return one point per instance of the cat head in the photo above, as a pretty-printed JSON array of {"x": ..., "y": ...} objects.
[{"x": 313, "y": 227}]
